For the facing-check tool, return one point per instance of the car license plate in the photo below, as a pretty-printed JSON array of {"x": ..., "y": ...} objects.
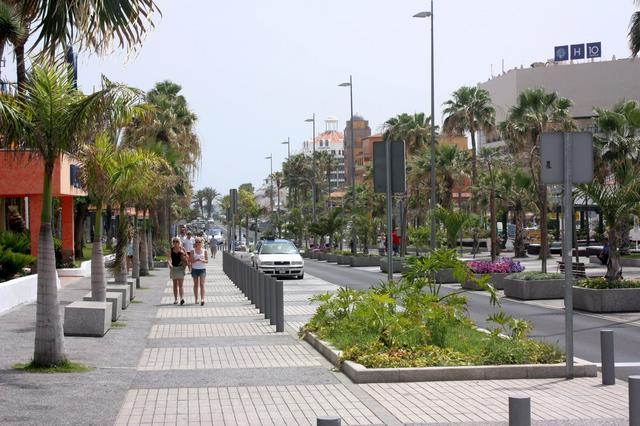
[{"x": 281, "y": 271}]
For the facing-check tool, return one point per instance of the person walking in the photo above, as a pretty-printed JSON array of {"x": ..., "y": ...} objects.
[
  {"x": 604, "y": 253},
  {"x": 214, "y": 249},
  {"x": 187, "y": 243},
  {"x": 199, "y": 259},
  {"x": 177, "y": 263},
  {"x": 395, "y": 240}
]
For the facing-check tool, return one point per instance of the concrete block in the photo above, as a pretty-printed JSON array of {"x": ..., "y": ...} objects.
[
  {"x": 607, "y": 300},
  {"x": 397, "y": 265},
  {"x": 344, "y": 259},
  {"x": 87, "y": 319},
  {"x": 445, "y": 276},
  {"x": 132, "y": 287},
  {"x": 125, "y": 290},
  {"x": 115, "y": 298},
  {"x": 357, "y": 261},
  {"x": 534, "y": 289},
  {"x": 332, "y": 258}
]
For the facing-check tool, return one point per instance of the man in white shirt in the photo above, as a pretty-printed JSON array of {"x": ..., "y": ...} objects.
[{"x": 187, "y": 243}]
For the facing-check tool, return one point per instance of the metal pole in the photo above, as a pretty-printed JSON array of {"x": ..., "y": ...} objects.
[
  {"x": 389, "y": 210},
  {"x": 328, "y": 421},
  {"x": 519, "y": 410},
  {"x": 567, "y": 242},
  {"x": 313, "y": 178},
  {"x": 279, "y": 307},
  {"x": 353, "y": 166},
  {"x": 634, "y": 400},
  {"x": 607, "y": 357},
  {"x": 433, "y": 146}
]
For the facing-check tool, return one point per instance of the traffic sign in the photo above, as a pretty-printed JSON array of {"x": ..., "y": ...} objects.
[
  {"x": 552, "y": 157},
  {"x": 398, "y": 169}
]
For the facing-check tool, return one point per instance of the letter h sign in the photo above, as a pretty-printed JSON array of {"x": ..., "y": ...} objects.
[{"x": 577, "y": 51}]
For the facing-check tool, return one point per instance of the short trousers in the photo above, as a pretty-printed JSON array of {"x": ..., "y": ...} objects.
[
  {"x": 177, "y": 273},
  {"x": 195, "y": 273}
]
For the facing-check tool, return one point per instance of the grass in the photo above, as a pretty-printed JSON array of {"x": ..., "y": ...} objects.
[
  {"x": 118, "y": 324},
  {"x": 632, "y": 256},
  {"x": 136, "y": 300},
  {"x": 86, "y": 254},
  {"x": 66, "y": 367}
]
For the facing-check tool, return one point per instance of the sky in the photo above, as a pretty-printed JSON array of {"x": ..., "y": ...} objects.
[{"x": 254, "y": 70}]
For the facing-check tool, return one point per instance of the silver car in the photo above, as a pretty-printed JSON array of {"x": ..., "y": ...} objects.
[{"x": 279, "y": 258}]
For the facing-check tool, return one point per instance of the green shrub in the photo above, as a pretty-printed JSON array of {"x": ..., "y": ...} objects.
[
  {"x": 12, "y": 263},
  {"x": 536, "y": 276},
  {"x": 17, "y": 242},
  {"x": 602, "y": 283}
]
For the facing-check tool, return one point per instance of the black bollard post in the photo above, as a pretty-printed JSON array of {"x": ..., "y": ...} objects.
[
  {"x": 279, "y": 307},
  {"x": 328, "y": 421},
  {"x": 272, "y": 302},
  {"x": 519, "y": 410},
  {"x": 267, "y": 301},
  {"x": 634, "y": 400}
]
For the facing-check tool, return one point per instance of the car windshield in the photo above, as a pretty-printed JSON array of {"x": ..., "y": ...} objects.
[{"x": 279, "y": 248}]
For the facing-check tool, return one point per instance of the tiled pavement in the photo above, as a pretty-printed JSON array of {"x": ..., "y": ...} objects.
[{"x": 223, "y": 364}]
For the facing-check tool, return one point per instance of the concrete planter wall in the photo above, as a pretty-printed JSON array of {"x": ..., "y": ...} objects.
[
  {"x": 607, "y": 300},
  {"x": 630, "y": 261},
  {"x": 361, "y": 374},
  {"x": 19, "y": 291},
  {"x": 332, "y": 257},
  {"x": 534, "y": 289},
  {"x": 161, "y": 264},
  {"x": 397, "y": 265},
  {"x": 497, "y": 281},
  {"x": 83, "y": 271},
  {"x": 314, "y": 255},
  {"x": 321, "y": 256},
  {"x": 364, "y": 261},
  {"x": 445, "y": 276},
  {"x": 344, "y": 259}
]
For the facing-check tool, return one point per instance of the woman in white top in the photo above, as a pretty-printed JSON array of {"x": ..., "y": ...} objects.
[{"x": 199, "y": 258}]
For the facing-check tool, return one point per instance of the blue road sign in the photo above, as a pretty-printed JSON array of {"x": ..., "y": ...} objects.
[
  {"x": 577, "y": 51},
  {"x": 561, "y": 53},
  {"x": 594, "y": 50}
]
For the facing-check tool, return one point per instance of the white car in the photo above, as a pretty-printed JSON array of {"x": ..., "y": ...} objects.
[{"x": 279, "y": 258}]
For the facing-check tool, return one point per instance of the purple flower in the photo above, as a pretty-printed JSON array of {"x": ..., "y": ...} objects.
[{"x": 503, "y": 265}]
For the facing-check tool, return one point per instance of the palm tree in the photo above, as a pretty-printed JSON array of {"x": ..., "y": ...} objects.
[
  {"x": 469, "y": 110},
  {"x": 534, "y": 113},
  {"x": 634, "y": 31},
  {"x": 52, "y": 119},
  {"x": 516, "y": 189},
  {"x": 210, "y": 195},
  {"x": 198, "y": 201},
  {"x": 92, "y": 24},
  {"x": 11, "y": 28},
  {"x": 491, "y": 160}
]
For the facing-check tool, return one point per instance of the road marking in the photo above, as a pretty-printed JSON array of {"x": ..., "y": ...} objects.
[{"x": 621, "y": 364}]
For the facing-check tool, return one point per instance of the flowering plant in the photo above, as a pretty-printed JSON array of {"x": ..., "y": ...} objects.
[{"x": 504, "y": 265}]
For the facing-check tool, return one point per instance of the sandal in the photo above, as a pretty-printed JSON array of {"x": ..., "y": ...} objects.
[
  {"x": 202, "y": 303},
  {"x": 175, "y": 302},
  {"x": 182, "y": 302}
]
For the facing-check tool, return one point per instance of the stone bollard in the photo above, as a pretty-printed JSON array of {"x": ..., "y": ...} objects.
[
  {"x": 267, "y": 300},
  {"x": 607, "y": 357},
  {"x": 519, "y": 410},
  {"x": 279, "y": 307},
  {"x": 328, "y": 421},
  {"x": 272, "y": 301},
  {"x": 634, "y": 400}
]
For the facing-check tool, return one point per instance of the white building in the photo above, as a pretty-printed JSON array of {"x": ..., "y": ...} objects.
[{"x": 331, "y": 140}]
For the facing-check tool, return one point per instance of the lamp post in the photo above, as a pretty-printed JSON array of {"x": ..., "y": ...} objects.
[
  {"x": 270, "y": 158},
  {"x": 429, "y": 14},
  {"x": 313, "y": 166},
  {"x": 288, "y": 143},
  {"x": 352, "y": 160}
]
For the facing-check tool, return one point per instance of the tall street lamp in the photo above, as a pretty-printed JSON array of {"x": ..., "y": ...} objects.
[
  {"x": 270, "y": 158},
  {"x": 352, "y": 160},
  {"x": 429, "y": 14},
  {"x": 313, "y": 166},
  {"x": 288, "y": 143}
]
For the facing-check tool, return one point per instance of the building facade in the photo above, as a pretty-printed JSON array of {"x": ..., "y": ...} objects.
[
  {"x": 361, "y": 131},
  {"x": 588, "y": 85},
  {"x": 331, "y": 141}
]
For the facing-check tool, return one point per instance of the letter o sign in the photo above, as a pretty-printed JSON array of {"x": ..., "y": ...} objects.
[{"x": 594, "y": 50}]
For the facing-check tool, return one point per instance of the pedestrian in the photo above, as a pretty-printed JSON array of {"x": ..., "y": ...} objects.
[
  {"x": 199, "y": 259},
  {"x": 604, "y": 253},
  {"x": 381, "y": 245},
  {"x": 187, "y": 243},
  {"x": 177, "y": 263},
  {"x": 395, "y": 240},
  {"x": 214, "y": 248}
]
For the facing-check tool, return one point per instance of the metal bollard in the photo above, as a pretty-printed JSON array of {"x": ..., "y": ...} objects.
[
  {"x": 267, "y": 301},
  {"x": 263, "y": 278},
  {"x": 279, "y": 307},
  {"x": 328, "y": 421},
  {"x": 272, "y": 301},
  {"x": 519, "y": 410},
  {"x": 634, "y": 400}
]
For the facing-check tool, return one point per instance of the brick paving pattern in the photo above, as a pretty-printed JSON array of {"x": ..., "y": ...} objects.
[
  {"x": 226, "y": 357},
  {"x": 172, "y": 331},
  {"x": 204, "y": 311}
]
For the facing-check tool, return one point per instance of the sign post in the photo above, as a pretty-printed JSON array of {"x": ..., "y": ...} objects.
[
  {"x": 567, "y": 158},
  {"x": 233, "y": 198}
]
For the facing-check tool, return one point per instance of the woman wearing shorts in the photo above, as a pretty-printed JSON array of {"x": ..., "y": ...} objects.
[
  {"x": 199, "y": 259},
  {"x": 177, "y": 263}
]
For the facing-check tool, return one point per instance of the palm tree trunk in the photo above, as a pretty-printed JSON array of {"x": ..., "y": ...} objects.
[
  {"x": 144, "y": 248},
  {"x": 474, "y": 166},
  {"x": 98, "y": 280},
  {"x": 21, "y": 69},
  {"x": 109, "y": 227},
  {"x": 120, "y": 272},
  {"x": 614, "y": 268},
  {"x": 544, "y": 237},
  {"x": 49, "y": 339},
  {"x": 150, "y": 247},
  {"x": 518, "y": 242},
  {"x": 135, "y": 263},
  {"x": 492, "y": 220}
]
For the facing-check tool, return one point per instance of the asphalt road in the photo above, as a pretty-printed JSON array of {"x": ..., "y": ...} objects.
[{"x": 548, "y": 322}]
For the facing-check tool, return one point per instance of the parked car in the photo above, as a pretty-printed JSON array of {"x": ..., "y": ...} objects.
[{"x": 279, "y": 258}]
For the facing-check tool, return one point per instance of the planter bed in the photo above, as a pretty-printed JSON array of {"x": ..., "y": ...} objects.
[
  {"x": 344, "y": 259},
  {"x": 321, "y": 256},
  {"x": 364, "y": 261},
  {"x": 606, "y": 300},
  {"x": 630, "y": 261},
  {"x": 360, "y": 374},
  {"x": 497, "y": 281},
  {"x": 534, "y": 289},
  {"x": 445, "y": 276},
  {"x": 397, "y": 265}
]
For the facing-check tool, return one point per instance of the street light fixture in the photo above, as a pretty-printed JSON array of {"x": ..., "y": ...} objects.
[
  {"x": 429, "y": 14},
  {"x": 288, "y": 143},
  {"x": 313, "y": 162},
  {"x": 352, "y": 160},
  {"x": 270, "y": 158}
]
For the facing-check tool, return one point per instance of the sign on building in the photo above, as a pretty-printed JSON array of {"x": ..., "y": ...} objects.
[
  {"x": 577, "y": 51},
  {"x": 594, "y": 50}
]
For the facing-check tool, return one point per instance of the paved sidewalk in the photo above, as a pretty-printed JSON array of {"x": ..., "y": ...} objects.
[{"x": 223, "y": 364}]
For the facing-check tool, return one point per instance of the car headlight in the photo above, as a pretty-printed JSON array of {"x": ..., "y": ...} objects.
[
  {"x": 266, "y": 263},
  {"x": 297, "y": 263}
]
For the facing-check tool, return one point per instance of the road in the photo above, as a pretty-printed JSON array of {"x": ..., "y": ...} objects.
[{"x": 548, "y": 321}]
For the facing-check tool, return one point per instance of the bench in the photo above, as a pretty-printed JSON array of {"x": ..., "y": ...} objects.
[{"x": 577, "y": 268}]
